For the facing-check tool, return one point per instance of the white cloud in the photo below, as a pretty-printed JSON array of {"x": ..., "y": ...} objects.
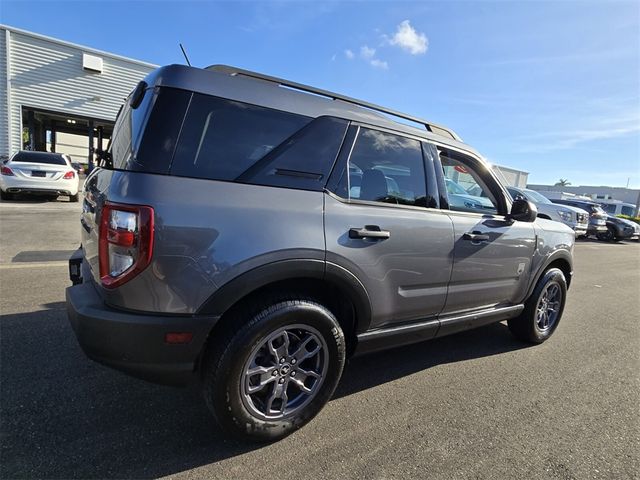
[
  {"x": 407, "y": 38},
  {"x": 379, "y": 64},
  {"x": 366, "y": 52},
  {"x": 349, "y": 54}
]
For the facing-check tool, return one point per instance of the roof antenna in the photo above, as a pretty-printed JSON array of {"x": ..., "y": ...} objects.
[{"x": 185, "y": 54}]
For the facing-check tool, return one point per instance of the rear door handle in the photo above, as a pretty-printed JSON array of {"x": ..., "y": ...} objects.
[
  {"x": 369, "y": 231},
  {"x": 476, "y": 237}
]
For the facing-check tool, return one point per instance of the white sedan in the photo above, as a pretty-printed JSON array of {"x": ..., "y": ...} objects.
[{"x": 41, "y": 173}]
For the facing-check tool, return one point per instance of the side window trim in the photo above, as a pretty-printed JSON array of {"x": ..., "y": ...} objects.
[
  {"x": 442, "y": 187},
  {"x": 342, "y": 160}
]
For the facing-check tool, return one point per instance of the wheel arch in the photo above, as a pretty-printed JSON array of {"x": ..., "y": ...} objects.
[
  {"x": 559, "y": 259},
  {"x": 333, "y": 286}
]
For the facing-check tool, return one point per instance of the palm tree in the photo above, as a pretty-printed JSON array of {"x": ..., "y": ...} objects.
[{"x": 563, "y": 182}]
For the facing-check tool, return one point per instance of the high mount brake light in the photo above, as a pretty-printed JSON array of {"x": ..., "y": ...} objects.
[{"x": 125, "y": 245}]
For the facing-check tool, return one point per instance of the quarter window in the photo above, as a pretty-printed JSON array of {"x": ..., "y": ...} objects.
[
  {"x": 221, "y": 139},
  {"x": 386, "y": 168}
]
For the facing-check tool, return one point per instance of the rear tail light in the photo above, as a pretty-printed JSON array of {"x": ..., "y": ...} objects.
[
  {"x": 69, "y": 175},
  {"x": 125, "y": 242},
  {"x": 7, "y": 171}
]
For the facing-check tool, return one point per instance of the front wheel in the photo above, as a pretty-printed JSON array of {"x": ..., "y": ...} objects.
[
  {"x": 543, "y": 309},
  {"x": 271, "y": 373},
  {"x": 608, "y": 236}
]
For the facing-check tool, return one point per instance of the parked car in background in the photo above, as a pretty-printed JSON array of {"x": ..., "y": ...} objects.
[
  {"x": 574, "y": 217},
  {"x": 597, "y": 216},
  {"x": 618, "y": 208},
  {"x": 619, "y": 229},
  {"x": 39, "y": 173}
]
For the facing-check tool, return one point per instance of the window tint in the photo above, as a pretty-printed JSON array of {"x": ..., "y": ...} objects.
[
  {"x": 144, "y": 138},
  {"x": 466, "y": 190},
  {"x": 39, "y": 157},
  {"x": 221, "y": 139},
  {"x": 609, "y": 208},
  {"x": 304, "y": 160},
  {"x": 626, "y": 210},
  {"x": 385, "y": 168}
]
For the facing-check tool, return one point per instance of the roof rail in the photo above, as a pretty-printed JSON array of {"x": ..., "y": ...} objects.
[{"x": 431, "y": 127}]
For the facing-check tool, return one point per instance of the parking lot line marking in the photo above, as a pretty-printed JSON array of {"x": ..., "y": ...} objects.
[{"x": 13, "y": 266}]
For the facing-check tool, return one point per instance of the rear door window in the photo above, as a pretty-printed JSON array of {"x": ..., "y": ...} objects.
[
  {"x": 387, "y": 168},
  {"x": 221, "y": 139}
]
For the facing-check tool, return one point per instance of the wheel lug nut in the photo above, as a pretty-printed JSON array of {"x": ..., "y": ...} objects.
[
  {"x": 293, "y": 361},
  {"x": 275, "y": 372},
  {"x": 293, "y": 374},
  {"x": 281, "y": 381},
  {"x": 282, "y": 360}
]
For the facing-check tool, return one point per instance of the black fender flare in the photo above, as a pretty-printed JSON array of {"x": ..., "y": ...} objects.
[
  {"x": 235, "y": 290},
  {"x": 557, "y": 255}
]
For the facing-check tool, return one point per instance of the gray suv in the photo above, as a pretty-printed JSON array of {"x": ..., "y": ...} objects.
[
  {"x": 575, "y": 218},
  {"x": 250, "y": 233}
]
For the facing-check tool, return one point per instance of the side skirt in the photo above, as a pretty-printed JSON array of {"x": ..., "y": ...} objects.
[{"x": 396, "y": 336}]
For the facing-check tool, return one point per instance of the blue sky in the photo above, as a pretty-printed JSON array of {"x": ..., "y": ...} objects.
[{"x": 552, "y": 88}]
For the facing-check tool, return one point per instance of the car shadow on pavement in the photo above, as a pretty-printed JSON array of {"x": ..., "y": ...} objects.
[
  {"x": 64, "y": 416},
  {"x": 378, "y": 368}
]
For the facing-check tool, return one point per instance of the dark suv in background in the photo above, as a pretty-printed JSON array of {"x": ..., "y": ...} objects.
[{"x": 250, "y": 233}]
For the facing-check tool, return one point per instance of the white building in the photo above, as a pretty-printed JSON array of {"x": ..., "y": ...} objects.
[
  {"x": 511, "y": 176},
  {"x": 58, "y": 96}
]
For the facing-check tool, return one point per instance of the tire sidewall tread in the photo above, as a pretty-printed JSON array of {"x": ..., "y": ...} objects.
[
  {"x": 524, "y": 326},
  {"x": 224, "y": 362}
]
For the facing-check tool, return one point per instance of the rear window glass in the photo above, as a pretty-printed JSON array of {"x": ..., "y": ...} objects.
[
  {"x": 144, "y": 138},
  {"x": 39, "y": 157},
  {"x": 222, "y": 139}
]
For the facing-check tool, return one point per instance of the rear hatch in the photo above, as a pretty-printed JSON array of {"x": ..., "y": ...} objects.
[{"x": 143, "y": 140}]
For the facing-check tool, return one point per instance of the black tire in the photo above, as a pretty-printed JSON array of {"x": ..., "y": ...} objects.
[
  {"x": 74, "y": 198},
  {"x": 227, "y": 360},
  {"x": 528, "y": 326},
  {"x": 6, "y": 195},
  {"x": 608, "y": 236}
]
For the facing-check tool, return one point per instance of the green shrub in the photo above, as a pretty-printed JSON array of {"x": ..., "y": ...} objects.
[{"x": 629, "y": 217}]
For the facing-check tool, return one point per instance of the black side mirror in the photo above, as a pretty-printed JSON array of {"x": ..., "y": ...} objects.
[{"x": 523, "y": 211}]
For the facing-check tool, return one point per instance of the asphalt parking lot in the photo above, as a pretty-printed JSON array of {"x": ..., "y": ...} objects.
[{"x": 475, "y": 405}]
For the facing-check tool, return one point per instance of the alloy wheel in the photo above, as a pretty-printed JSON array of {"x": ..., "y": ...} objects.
[{"x": 284, "y": 372}]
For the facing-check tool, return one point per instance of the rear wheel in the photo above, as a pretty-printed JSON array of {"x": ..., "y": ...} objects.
[
  {"x": 74, "y": 198},
  {"x": 275, "y": 370},
  {"x": 5, "y": 195},
  {"x": 543, "y": 309}
]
